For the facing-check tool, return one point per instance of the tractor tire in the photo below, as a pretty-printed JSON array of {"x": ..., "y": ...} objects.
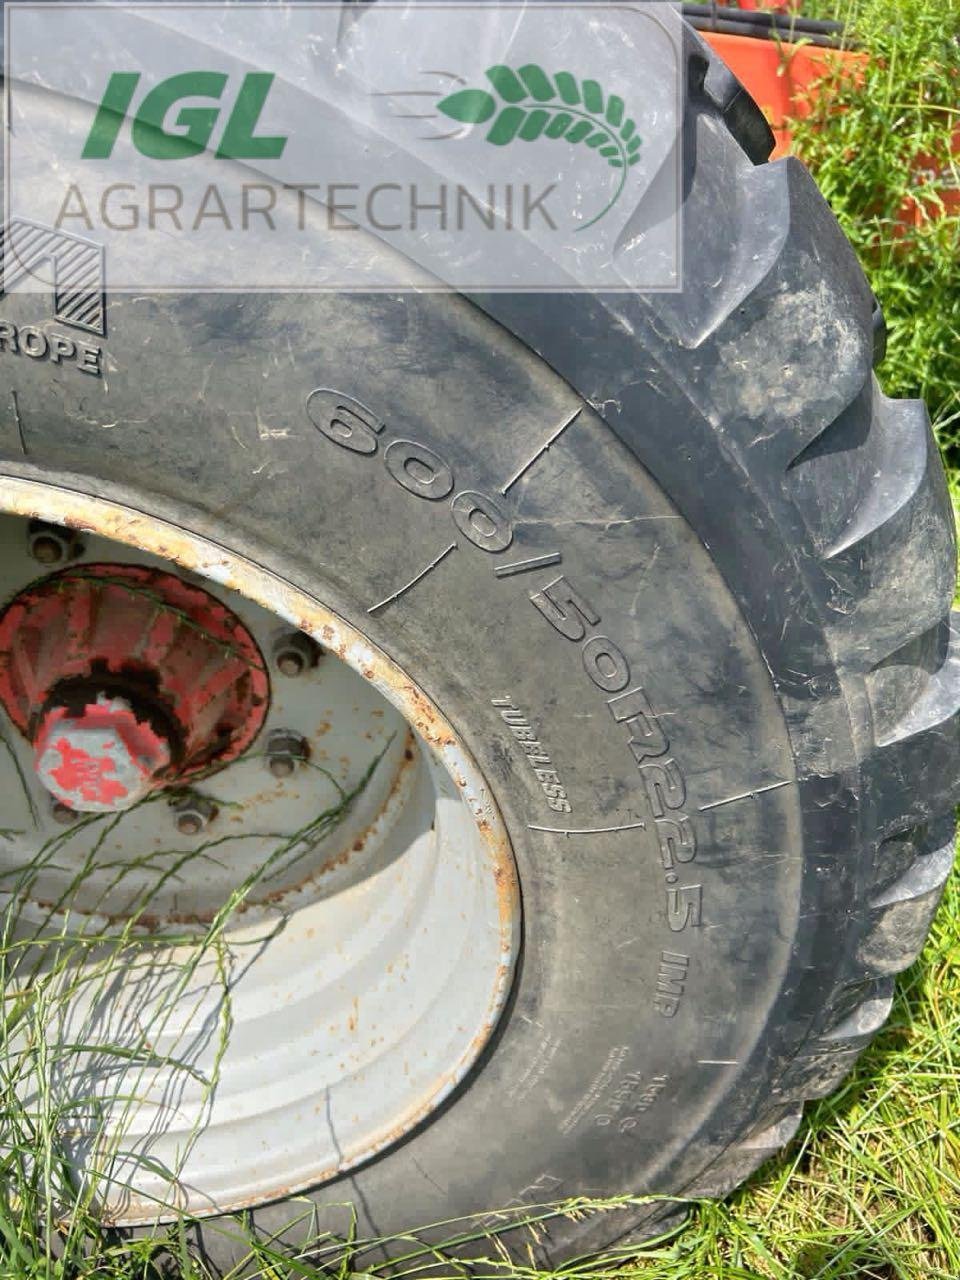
[{"x": 678, "y": 577}]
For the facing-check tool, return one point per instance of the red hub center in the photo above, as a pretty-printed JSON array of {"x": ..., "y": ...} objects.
[{"x": 127, "y": 679}]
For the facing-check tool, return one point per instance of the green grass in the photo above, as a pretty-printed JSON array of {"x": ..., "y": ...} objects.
[
  {"x": 54, "y": 957},
  {"x": 869, "y": 1189}
]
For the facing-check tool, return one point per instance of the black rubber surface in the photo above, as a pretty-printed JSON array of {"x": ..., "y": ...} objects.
[{"x": 738, "y": 664}]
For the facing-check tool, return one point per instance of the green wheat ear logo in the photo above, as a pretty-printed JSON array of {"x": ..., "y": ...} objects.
[{"x": 579, "y": 112}]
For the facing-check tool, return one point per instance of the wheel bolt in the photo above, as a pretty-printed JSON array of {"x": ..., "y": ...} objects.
[
  {"x": 63, "y": 814},
  {"x": 193, "y": 813},
  {"x": 295, "y": 653},
  {"x": 50, "y": 543},
  {"x": 285, "y": 750}
]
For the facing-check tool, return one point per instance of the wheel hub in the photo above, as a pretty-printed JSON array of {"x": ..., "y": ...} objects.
[
  {"x": 101, "y": 761},
  {"x": 126, "y": 680}
]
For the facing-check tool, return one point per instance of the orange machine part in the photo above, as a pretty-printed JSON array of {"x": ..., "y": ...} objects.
[{"x": 779, "y": 76}]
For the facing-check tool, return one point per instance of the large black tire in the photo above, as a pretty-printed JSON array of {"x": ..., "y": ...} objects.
[{"x": 767, "y": 542}]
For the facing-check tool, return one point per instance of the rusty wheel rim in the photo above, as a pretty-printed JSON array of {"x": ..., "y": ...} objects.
[{"x": 247, "y": 1042}]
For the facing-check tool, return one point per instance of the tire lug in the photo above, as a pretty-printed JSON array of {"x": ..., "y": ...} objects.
[
  {"x": 285, "y": 751},
  {"x": 294, "y": 653}
]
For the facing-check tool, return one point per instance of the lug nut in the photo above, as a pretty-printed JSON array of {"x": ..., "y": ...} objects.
[
  {"x": 46, "y": 549},
  {"x": 50, "y": 543},
  {"x": 295, "y": 653},
  {"x": 63, "y": 814},
  {"x": 192, "y": 813},
  {"x": 285, "y": 750}
]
